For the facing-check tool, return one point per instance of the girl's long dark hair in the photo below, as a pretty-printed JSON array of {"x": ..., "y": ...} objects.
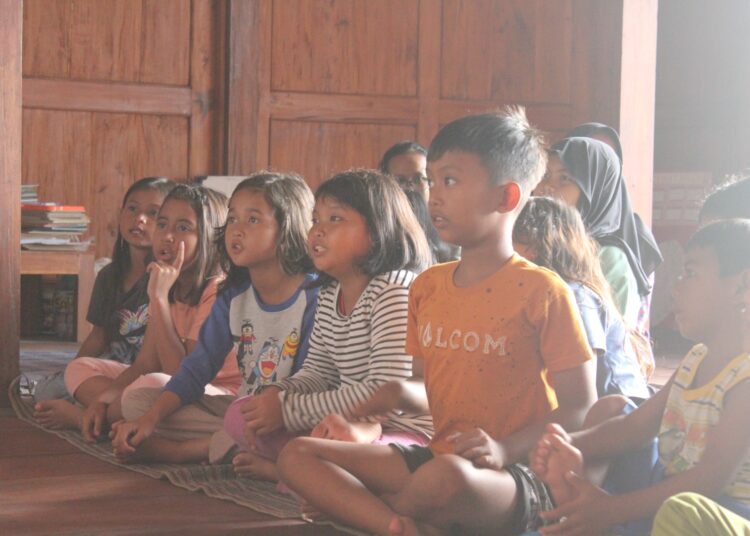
[
  {"x": 121, "y": 261},
  {"x": 210, "y": 209},
  {"x": 559, "y": 239}
]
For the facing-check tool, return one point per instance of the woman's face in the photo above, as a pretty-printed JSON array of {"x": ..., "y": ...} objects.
[
  {"x": 558, "y": 183},
  {"x": 410, "y": 170}
]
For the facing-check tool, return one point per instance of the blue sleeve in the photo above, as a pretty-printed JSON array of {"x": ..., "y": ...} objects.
[
  {"x": 204, "y": 362},
  {"x": 308, "y": 320},
  {"x": 593, "y": 318}
]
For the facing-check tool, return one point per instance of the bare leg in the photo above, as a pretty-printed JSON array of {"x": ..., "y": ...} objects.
[
  {"x": 448, "y": 491},
  {"x": 58, "y": 415},
  {"x": 157, "y": 449},
  {"x": 323, "y": 472},
  {"x": 383, "y": 497},
  {"x": 90, "y": 389},
  {"x": 252, "y": 465},
  {"x": 62, "y": 415}
]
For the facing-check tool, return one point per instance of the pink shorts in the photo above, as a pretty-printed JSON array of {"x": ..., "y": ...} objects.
[{"x": 83, "y": 368}]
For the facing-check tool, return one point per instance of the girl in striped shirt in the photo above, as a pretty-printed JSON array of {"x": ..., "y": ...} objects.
[{"x": 368, "y": 246}]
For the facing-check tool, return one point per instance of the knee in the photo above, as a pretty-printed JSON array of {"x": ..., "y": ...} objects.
[
  {"x": 605, "y": 408},
  {"x": 76, "y": 371},
  {"x": 135, "y": 402},
  {"x": 447, "y": 477},
  {"x": 293, "y": 451}
]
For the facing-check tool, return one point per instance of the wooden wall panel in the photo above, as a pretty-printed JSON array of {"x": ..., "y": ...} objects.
[
  {"x": 299, "y": 66},
  {"x": 320, "y": 149},
  {"x": 512, "y": 51},
  {"x": 115, "y": 40},
  {"x": 90, "y": 159},
  {"x": 119, "y": 89},
  {"x": 346, "y": 46}
]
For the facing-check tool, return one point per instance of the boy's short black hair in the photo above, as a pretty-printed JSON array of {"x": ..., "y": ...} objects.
[
  {"x": 729, "y": 240},
  {"x": 509, "y": 147},
  {"x": 730, "y": 199},
  {"x": 402, "y": 147}
]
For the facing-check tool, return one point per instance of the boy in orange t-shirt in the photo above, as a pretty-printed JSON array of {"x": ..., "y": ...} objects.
[{"x": 501, "y": 346}]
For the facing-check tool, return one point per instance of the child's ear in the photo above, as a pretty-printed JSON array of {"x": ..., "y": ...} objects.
[{"x": 510, "y": 197}]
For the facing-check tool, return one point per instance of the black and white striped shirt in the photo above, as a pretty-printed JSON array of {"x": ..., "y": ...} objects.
[{"x": 351, "y": 356}]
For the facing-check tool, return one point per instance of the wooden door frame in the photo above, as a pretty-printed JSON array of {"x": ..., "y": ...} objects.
[{"x": 11, "y": 29}]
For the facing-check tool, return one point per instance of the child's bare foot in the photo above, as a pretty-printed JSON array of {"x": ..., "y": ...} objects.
[
  {"x": 562, "y": 458},
  {"x": 58, "y": 415},
  {"x": 255, "y": 466}
]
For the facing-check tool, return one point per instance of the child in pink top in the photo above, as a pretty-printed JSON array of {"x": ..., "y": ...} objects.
[{"x": 182, "y": 287}]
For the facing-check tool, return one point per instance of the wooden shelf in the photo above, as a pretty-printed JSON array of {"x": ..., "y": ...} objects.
[{"x": 80, "y": 264}]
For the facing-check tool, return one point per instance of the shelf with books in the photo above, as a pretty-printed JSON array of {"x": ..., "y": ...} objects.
[{"x": 56, "y": 306}]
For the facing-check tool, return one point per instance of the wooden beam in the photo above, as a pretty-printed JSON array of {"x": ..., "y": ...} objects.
[
  {"x": 430, "y": 32},
  {"x": 637, "y": 97},
  {"x": 207, "y": 81},
  {"x": 348, "y": 108},
  {"x": 243, "y": 117},
  {"x": 106, "y": 97},
  {"x": 545, "y": 116},
  {"x": 11, "y": 31}
]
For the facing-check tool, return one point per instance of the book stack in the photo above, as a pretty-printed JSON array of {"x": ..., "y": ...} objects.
[
  {"x": 29, "y": 193},
  {"x": 53, "y": 227}
]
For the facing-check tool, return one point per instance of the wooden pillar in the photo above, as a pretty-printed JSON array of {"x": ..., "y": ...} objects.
[
  {"x": 11, "y": 24},
  {"x": 637, "y": 96}
]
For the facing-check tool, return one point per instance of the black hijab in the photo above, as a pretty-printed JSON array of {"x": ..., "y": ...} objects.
[
  {"x": 605, "y": 205},
  {"x": 595, "y": 130}
]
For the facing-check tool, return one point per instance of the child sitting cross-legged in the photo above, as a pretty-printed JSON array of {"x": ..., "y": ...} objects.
[
  {"x": 501, "y": 348},
  {"x": 699, "y": 417},
  {"x": 367, "y": 245},
  {"x": 261, "y": 321}
]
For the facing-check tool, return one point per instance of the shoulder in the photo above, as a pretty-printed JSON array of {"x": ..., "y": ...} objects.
[
  {"x": 584, "y": 296},
  {"x": 233, "y": 290},
  {"x": 397, "y": 281},
  {"x": 434, "y": 276},
  {"x": 691, "y": 360},
  {"x": 210, "y": 291},
  {"x": 310, "y": 288},
  {"x": 537, "y": 279},
  {"x": 613, "y": 259}
]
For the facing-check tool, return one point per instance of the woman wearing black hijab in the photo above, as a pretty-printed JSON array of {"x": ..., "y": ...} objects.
[{"x": 586, "y": 173}]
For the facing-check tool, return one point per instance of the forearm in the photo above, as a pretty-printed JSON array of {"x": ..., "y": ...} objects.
[
  {"x": 304, "y": 411},
  {"x": 413, "y": 397},
  {"x": 167, "y": 403},
  {"x": 170, "y": 350},
  {"x": 612, "y": 437},
  {"x": 516, "y": 447}
]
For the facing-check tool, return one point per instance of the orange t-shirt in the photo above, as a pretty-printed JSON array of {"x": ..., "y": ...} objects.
[
  {"x": 487, "y": 348},
  {"x": 187, "y": 321}
]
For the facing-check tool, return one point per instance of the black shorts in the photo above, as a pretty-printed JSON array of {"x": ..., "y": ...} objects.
[
  {"x": 413, "y": 455},
  {"x": 533, "y": 495}
]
